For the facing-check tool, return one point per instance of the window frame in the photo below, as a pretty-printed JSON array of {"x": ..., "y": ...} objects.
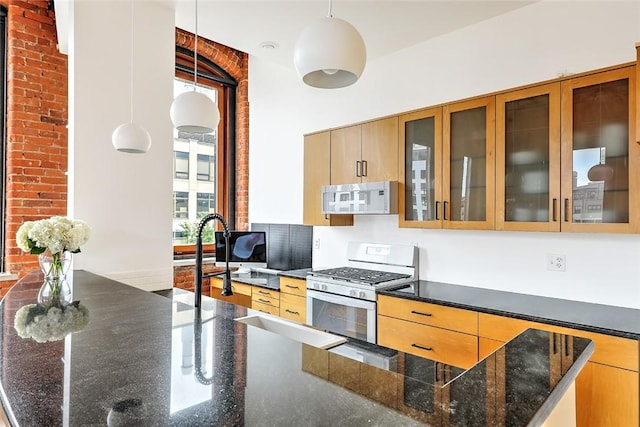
[{"x": 212, "y": 75}]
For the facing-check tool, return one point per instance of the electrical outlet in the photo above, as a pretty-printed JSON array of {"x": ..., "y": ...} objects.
[
  {"x": 556, "y": 262},
  {"x": 316, "y": 243}
]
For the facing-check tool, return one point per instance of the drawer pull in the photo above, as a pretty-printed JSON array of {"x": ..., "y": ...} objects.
[
  {"x": 263, "y": 292},
  {"x": 422, "y": 347},
  {"x": 292, "y": 312},
  {"x": 421, "y": 314},
  {"x": 292, "y": 287},
  {"x": 264, "y": 301}
]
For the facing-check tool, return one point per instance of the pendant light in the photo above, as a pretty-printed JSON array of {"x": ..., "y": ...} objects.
[
  {"x": 330, "y": 53},
  {"x": 131, "y": 137},
  {"x": 194, "y": 112}
]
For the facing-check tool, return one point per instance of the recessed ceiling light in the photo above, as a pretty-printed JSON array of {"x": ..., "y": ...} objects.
[{"x": 269, "y": 45}]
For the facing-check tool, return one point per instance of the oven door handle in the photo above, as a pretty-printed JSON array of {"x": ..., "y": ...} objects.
[{"x": 340, "y": 300}]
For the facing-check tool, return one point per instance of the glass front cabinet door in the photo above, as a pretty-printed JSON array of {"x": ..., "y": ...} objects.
[
  {"x": 469, "y": 164},
  {"x": 528, "y": 159},
  {"x": 600, "y": 158},
  {"x": 419, "y": 183}
]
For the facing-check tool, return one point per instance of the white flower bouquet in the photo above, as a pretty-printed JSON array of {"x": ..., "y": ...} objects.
[
  {"x": 56, "y": 234},
  {"x": 50, "y": 323}
]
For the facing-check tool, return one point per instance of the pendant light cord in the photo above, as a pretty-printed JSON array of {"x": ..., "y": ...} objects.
[
  {"x": 330, "y": 15},
  {"x": 131, "y": 70},
  {"x": 195, "y": 52}
]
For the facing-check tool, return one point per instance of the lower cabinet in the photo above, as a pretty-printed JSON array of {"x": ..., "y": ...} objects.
[
  {"x": 241, "y": 292},
  {"x": 265, "y": 300},
  {"x": 607, "y": 389},
  {"x": 293, "y": 299}
]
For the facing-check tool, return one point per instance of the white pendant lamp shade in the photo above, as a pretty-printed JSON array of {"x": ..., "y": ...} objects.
[
  {"x": 131, "y": 138},
  {"x": 194, "y": 112},
  {"x": 330, "y": 54}
]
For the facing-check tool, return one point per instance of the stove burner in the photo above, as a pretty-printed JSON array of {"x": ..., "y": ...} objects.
[{"x": 351, "y": 274}]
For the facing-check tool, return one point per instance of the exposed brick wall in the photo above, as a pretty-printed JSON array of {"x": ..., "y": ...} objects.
[
  {"x": 183, "y": 277},
  {"x": 36, "y": 183},
  {"x": 235, "y": 63}
]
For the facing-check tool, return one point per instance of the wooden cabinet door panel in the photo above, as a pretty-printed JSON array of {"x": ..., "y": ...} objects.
[
  {"x": 607, "y": 397},
  {"x": 289, "y": 285},
  {"x": 452, "y": 318},
  {"x": 346, "y": 152},
  {"x": 380, "y": 150},
  {"x": 441, "y": 345},
  {"x": 293, "y": 307}
]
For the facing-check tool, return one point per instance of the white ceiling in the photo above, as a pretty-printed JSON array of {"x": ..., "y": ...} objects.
[{"x": 386, "y": 26}]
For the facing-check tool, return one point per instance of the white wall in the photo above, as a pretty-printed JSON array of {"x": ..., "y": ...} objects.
[
  {"x": 125, "y": 198},
  {"x": 531, "y": 44}
]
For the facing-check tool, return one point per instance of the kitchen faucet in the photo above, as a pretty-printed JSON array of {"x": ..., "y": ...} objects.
[{"x": 226, "y": 280}]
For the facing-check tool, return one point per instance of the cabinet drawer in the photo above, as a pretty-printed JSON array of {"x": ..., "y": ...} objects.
[
  {"x": 609, "y": 350},
  {"x": 267, "y": 308},
  {"x": 260, "y": 299},
  {"x": 236, "y": 298},
  {"x": 429, "y": 314},
  {"x": 236, "y": 287},
  {"x": 293, "y": 307},
  {"x": 263, "y": 292},
  {"x": 440, "y": 345},
  {"x": 293, "y": 286}
]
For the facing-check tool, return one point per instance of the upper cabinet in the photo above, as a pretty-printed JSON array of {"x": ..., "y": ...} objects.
[
  {"x": 600, "y": 156},
  {"x": 448, "y": 158},
  {"x": 365, "y": 153},
  {"x": 528, "y": 159},
  {"x": 468, "y": 164},
  {"x": 317, "y": 149}
]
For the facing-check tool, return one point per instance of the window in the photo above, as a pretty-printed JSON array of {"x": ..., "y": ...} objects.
[
  {"x": 206, "y": 168},
  {"x": 180, "y": 204},
  {"x": 206, "y": 204},
  {"x": 181, "y": 164},
  {"x": 205, "y": 185}
]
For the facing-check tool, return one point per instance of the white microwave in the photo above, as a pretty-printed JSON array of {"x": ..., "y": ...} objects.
[{"x": 364, "y": 198}]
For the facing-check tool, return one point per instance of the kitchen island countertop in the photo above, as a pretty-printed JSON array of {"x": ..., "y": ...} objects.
[{"x": 143, "y": 351}]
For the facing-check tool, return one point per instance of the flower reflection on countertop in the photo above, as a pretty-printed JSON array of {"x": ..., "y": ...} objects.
[{"x": 53, "y": 322}]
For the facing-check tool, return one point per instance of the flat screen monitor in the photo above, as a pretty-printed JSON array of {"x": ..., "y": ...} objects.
[{"x": 247, "y": 249}]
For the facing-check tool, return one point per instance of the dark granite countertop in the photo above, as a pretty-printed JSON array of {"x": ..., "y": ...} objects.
[
  {"x": 142, "y": 351},
  {"x": 611, "y": 320},
  {"x": 296, "y": 274},
  {"x": 257, "y": 278}
]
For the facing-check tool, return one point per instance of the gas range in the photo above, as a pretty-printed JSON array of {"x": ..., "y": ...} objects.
[{"x": 371, "y": 266}]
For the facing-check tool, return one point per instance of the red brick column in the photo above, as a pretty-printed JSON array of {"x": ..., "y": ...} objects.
[{"x": 37, "y": 112}]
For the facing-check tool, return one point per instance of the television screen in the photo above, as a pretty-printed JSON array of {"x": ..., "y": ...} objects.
[{"x": 247, "y": 249}]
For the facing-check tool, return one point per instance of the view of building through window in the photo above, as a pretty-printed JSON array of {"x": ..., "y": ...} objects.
[{"x": 194, "y": 175}]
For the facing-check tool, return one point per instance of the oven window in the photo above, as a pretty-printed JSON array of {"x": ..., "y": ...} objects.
[{"x": 340, "y": 319}]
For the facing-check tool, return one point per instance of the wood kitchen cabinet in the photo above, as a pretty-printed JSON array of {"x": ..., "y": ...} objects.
[
  {"x": 366, "y": 152},
  {"x": 607, "y": 389},
  {"x": 241, "y": 292},
  {"x": 266, "y": 300},
  {"x": 448, "y": 158},
  {"x": 442, "y": 334},
  {"x": 600, "y": 185},
  {"x": 528, "y": 159},
  {"x": 293, "y": 299},
  {"x": 317, "y": 169}
]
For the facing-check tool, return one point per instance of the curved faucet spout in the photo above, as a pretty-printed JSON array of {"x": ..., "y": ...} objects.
[{"x": 226, "y": 280}]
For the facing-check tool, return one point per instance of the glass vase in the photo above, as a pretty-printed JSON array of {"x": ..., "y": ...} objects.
[{"x": 55, "y": 290}]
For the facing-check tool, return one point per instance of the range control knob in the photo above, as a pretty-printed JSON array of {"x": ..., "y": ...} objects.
[
  {"x": 324, "y": 287},
  {"x": 361, "y": 294},
  {"x": 352, "y": 292}
]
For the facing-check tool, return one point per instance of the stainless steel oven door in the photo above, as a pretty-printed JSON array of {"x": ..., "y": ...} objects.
[{"x": 342, "y": 315}]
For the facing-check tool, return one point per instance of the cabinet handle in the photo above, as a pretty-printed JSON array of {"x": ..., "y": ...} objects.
[
  {"x": 422, "y": 347},
  {"x": 264, "y": 301},
  {"x": 263, "y": 292},
  {"x": 555, "y": 209},
  {"x": 444, "y": 210},
  {"x": 437, "y": 206},
  {"x": 566, "y": 345},
  {"x": 421, "y": 314},
  {"x": 554, "y": 338},
  {"x": 364, "y": 168},
  {"x": 292, "y": 287},
  {"x": 292, "y": 312},
  {"x": 566, "y": 210},
  {"x": 358, "y": 167}
]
